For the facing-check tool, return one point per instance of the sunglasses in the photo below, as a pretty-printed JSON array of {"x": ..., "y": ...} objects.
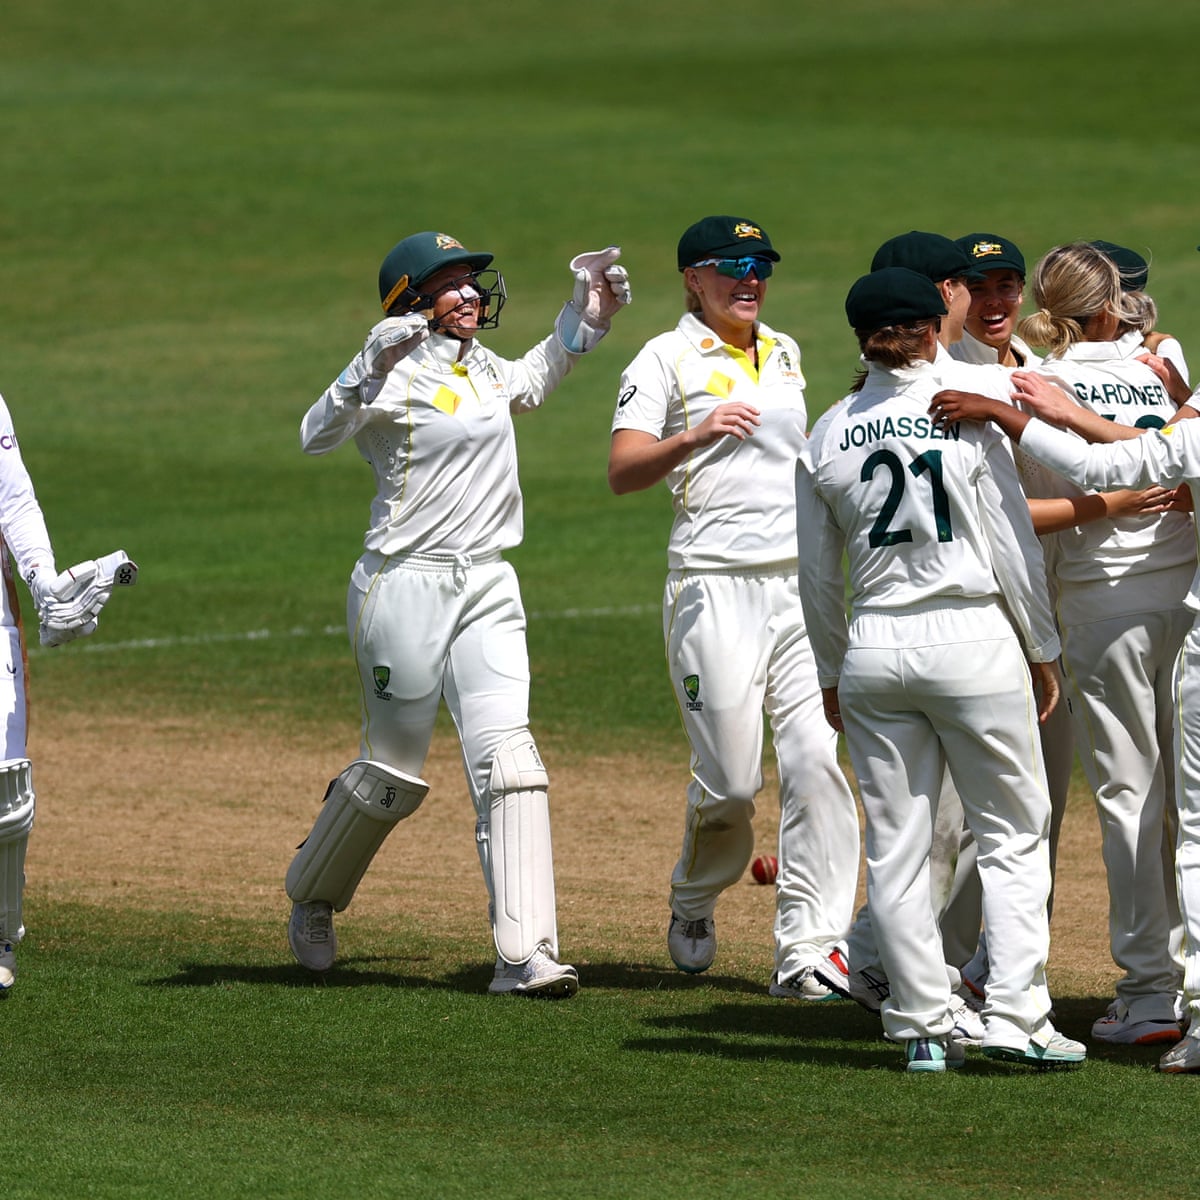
[{"x": 739, "y": 268}]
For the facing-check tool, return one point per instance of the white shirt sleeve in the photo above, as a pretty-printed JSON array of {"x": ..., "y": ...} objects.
[
  {"x": 820, "y": 545},
  {"x": 1167, "y": 457},
  {"x": 21, "y": 519}
]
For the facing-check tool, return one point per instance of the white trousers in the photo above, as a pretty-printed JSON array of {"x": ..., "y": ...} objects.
[
  {"x": 14, "y": 836},
  {"x": 1119, "y": 674},
  {"x": 736, "y": 646},
  {"x": 921, "y": 693},
  {"x": 1187, "y": 858},
  {"x": 423, "y": 629}
]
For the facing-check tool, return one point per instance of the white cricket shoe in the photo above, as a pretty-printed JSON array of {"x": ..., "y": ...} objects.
[
  {"x": 540, "y": 976},
  {"x": 968, "y": 1024},
  {"x": 8, "y": 967},
  {"x": 1050, "y": 1049},
  {"x": 1183, "y": 1058},
  {"x": 868, "y": 988},
  {"x": 1116, "y": 1029},
  {"x": 692, "y": 944},
  {"x": 804, "y": 985},
  {"x": 311, "y": 935},
  {"x": 933, "y": 1054}
]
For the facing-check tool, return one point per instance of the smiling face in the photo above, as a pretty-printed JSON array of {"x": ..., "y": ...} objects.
[
  {"x": 456, "y": 301},
  {"x": 729, "y": 307},
  {"x": 995, "y": 304}
]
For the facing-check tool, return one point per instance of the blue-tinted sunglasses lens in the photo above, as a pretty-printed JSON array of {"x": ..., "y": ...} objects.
[{"x": 739, "y": 268}]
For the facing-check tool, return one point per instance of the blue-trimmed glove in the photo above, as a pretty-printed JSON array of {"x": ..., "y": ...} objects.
[{"x": 601, "y": 288}]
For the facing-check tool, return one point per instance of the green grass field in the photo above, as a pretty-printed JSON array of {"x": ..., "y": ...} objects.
[{"x": 197, "y": 196}]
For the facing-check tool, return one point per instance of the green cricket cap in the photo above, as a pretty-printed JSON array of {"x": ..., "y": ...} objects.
[
  {"x": 724, "y": 237},
  {"x": 930, "y": 254},
  {"x": 892, "y": 296},
  {"x": 991, "y": 252}
]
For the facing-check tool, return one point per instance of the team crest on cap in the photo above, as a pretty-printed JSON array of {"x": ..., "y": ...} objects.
[
  {"x": 743, "y": 229},
  {"x": 983, "y": 249},
  {"x": 446, "y": 242}
]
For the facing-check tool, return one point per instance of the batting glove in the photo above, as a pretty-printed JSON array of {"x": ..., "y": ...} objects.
[
  {"x": 601, "y": 288},
  {"x": 388, "y": 342},
  {"x": 78, "y": 594}
]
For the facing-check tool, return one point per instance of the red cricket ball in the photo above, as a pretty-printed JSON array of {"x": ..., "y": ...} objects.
[{"x": 764, "y": 868}]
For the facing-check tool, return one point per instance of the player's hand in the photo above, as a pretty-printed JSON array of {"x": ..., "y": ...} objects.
[
  {"x": 1046, "y": 688},
  {"x": 1043, "y": 398},
  {"x": 601, "y": 289},
  {"x": 1167, "y": 371},
  {"x": 950, "y": 406},
  {"x": 1146, "y": 503},
  {"x": 833, "y": 708},
  {"x": 601, "y": 285},
  {"x": 734, "y": 419},
  {"x": 79, "y": 593},
  {"x": 391, "y": 340},
  {"x": 388, "y": 342}
]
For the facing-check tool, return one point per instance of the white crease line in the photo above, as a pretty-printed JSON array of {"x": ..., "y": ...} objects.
[{"x": 87, "y": 646}]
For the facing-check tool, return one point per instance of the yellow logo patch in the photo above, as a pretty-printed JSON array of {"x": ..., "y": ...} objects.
[
  {"x": 446, "y": 242},
  {"x": 446, "y": 400},
  {"x": 719, "y": 385},
  {"x": 743, "y": 229},
  {"x": 983, "y": 249}
]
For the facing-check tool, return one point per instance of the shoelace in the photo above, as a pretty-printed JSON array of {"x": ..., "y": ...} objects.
[{"x": 317, "y": 926}]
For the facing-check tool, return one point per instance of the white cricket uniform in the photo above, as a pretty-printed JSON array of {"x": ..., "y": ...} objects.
[
  {"x": 24, "y": 533},
  {"x": 1058, "y": 738},
  {"x": 735, "y": 636},
  {"x": 1120, "y": 606},
  {"x": 1169, "y": 457},
  {"x": 433, "y": 610},
  {"x": 948, "y": 601}
]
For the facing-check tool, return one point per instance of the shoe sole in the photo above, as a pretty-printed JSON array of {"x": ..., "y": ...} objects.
[
  {"x": 693, "y": 970},
  {"x": 554, "y": 989},
  {"x": 1192, "y": 1070},
  {"x": 1009, "y": 1054},
  {"x": 308, "y": 966},
  {"x": 1157, "y": 1037},
  {"x": 834, "y": 986},
  {"x": 782, "y": 993}
]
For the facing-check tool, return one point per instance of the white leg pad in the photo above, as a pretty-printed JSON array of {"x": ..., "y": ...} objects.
[
  {"x": 361, "y": 808},
  {"x": 519, "y": 854},
  {"x": 16, "y": 820}
]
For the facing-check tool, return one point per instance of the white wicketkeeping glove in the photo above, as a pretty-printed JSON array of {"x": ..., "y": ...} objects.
[
  {"x": 601, "y": 287},
  {"x": 388, "y": 342},
  {"x": 71, "y": 605}
]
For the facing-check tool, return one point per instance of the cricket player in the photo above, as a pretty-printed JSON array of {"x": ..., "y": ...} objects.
[
  {"x": 434, "y": 611},
  {"x": 68, "y": 607},
  {"x": 1168, "y": 457},
  {"x": 950, "y": 616},
  {"x": 716, "y": 408},
  {"x": 1121, "y": 586}
]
